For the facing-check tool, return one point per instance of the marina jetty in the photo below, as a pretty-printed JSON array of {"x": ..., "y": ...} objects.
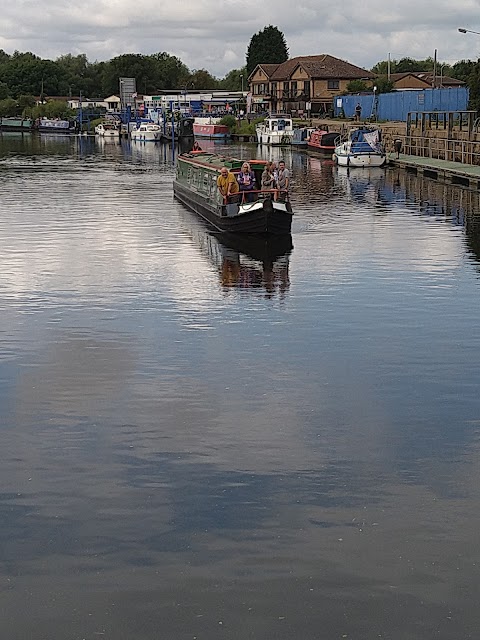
[{"x": 443, "y": 145}]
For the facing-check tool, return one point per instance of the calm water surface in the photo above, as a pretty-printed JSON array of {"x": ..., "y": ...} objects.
[{"x": 202, "y": 441}]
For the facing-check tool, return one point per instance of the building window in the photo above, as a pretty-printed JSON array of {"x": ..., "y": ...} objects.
[
  {"x": 293, "y": 89},
  {"x": 333, "y": 84},
  {"x": 274, "y": 89}
]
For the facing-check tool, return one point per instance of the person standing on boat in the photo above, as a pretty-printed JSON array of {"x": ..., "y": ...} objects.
[
  {"x": 227, "y": 185},
  {"x": 358, "y": 112},
  {"x": 283, "y": 180},
  {"x": 268, "y": 179},
  {"x": 246, "y": 182}
]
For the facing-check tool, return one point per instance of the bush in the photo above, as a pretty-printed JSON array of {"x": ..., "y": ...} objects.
[
  {"x": 229, "y": 121},
  {"x": 8, "y": 107}
]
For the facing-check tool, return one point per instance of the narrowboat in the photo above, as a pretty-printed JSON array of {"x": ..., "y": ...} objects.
[
  {"x": 195, "y": 185},
  {"x": 323, "y": 141},
  {"x": 210, "y": 128},
  {"x": 16, "y": 124},
  {"x": 361, "y": 147},
  {"x": 55, "y": 125}
]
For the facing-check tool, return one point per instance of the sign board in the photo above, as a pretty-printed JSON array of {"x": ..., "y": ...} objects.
[
  {"x": 128, "y": 91},
  {"x": 339, "y": 103}
]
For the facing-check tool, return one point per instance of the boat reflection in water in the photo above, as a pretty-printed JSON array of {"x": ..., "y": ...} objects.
[
  {"x": 247, "y": 262},
  {"x": 253, "y": 263}
]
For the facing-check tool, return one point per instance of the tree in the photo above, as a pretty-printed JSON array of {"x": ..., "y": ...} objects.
[
  {"x": 201, "y": 79},
  {"x": 268, "y": 47},
  {"x": 8, "y": 107},
  {"x": 26, "y": 102},
  {"x": 170, "y": 72},
  {"x": 4, "y": 91},
  {"x": 383, "y": 84},
  {"x": 233, "y": 80},
  {"x": 357, "y": 86}
]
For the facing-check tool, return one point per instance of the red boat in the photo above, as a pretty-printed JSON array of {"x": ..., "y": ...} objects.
[
  {"x": 210, "y": 130},
  {"x": 321, "y": 140}
]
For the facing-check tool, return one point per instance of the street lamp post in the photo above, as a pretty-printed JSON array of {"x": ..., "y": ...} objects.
[
  {"x": 241, "y": 76},
  {"x": 468, "y": 31}
]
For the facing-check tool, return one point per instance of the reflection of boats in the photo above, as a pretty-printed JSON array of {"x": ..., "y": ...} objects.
[
  {"x": 361, "y": 147},
  {"x": 266, "y": 249},
  {"x": 195, "y": 185},
  {"x": 362, "y": 186},
  {"x": 248, "y": 263},
  {"x": 16, "y": 124},
  {"x": 108, "y": 130},
  {"x": 322, "y": 140},
  {"x": 275, "y": 130},
  {"x": 146, "y": 132}
]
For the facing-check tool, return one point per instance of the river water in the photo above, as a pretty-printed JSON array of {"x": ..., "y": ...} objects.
[{"x": 201, "y": 442}]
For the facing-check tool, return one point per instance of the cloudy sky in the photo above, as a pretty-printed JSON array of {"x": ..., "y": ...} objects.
[{"x": 214, "y": 35}]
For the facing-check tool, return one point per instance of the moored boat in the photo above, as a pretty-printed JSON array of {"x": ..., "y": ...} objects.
[
  {"x": 108, "y": 129},
  {"x": 361, "y": 147},
  {"x": 16, "y": 124},
  {"x": 323, "y": 141},
  {"x": 195, "y": 185},
  {"x": 210, "y": 130},
  {"x": 275, "y": 130},
  {"x": 301, "y": 136},
  {"x": 146, "y": 132},
  {"x": 55, "y": 125}
]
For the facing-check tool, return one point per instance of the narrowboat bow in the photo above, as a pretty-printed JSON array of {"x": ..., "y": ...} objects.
[{"x": 195, "y": 185}]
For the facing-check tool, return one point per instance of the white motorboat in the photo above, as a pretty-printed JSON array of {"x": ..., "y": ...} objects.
[
  {"x": 275, "y": 130},
  {"x": 361, "y": 147},
  {"x": 107, "y": 130},
  {"x": 146, "y": 132}
]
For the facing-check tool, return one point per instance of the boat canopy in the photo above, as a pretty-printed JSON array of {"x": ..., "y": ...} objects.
[{"x": 365, "y": 141}]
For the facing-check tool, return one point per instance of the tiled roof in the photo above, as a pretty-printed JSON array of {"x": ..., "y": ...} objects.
[
  {"x": 321, "y": 66},
  {"x": 426, "y": 76},
  {"x": 268, "y": 68}
]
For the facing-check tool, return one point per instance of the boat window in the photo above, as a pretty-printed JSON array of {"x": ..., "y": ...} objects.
[{"x": 205, "y": 182}]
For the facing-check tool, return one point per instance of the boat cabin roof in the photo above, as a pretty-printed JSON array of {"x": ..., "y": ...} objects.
[{"x": 216, "y": 162}]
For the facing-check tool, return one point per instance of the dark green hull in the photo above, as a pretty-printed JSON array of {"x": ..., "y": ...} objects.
[
  {"x": 195, "y": 186},
  {"x": 16, "y": 124}
]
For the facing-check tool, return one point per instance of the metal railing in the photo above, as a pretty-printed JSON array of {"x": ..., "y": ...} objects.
[
  {"x": 242, "y": 197},
  {"x": 461, "y": 151}
]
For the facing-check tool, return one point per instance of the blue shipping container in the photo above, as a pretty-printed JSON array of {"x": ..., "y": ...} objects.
[{"x": 397, "y": 104}]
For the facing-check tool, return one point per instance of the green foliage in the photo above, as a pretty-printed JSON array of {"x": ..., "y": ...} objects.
[
  {"x": 201, "y": 79},
  {"x": 247, "y": 129},
  {"x": 4, "y": 91},
  {"x": 8, "y": 107},
  {"x": 52, "y": 109},
  {"x": 233, "y": 80},
  {"x": 463, "y": 69},
  {"x": 170, "y": 72},
  {"x": 357, "y": 86},
  {"x": 266, "y": 46},
  {"x": 26, "y": 102},
  {"x": 383, "y": 84},
  {"x": 229, "y": 121}
]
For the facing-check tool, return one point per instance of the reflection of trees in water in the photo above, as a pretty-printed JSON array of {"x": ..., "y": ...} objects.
[{"x": 457, "y": 205}]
